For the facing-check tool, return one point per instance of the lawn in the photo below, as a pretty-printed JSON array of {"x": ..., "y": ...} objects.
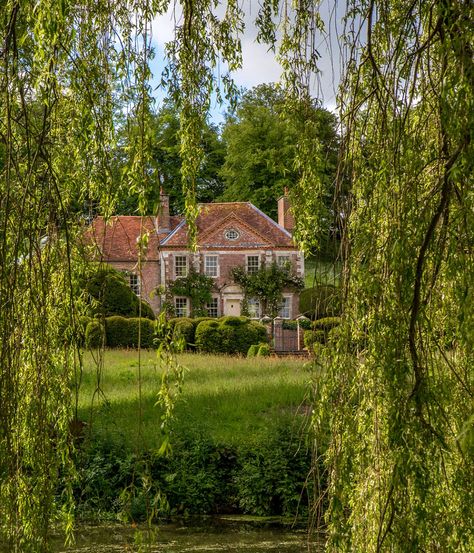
[{"x": 229, "y": 399}]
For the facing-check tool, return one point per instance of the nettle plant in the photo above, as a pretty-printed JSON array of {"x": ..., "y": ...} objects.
[{"x": 267, "y": 285}]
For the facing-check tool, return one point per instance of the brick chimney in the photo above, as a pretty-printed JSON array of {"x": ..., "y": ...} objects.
[
  {"x": 163, "y": 215},
  {"x": 285, "y": 216}
]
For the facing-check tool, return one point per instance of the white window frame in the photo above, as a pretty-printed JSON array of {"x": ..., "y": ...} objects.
[
  {"x": 285, "y": 308},
  {"x": 215, "y": 300},
  {"x": 247, "y": 264},
  {"x": 253, "y": 308},
  {"x": 135, "y": 284},
  {"x": 179, "y": 310},
  {"x": 232, "y": 234},
  {"x": 182, "y": 268},
  {"x": 215, "y": 272},
  {"x": 283, "y": 260}
]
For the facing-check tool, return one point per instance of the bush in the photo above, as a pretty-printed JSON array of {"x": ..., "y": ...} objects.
[
  {"x": 326, "y": 324},
  {"x": 94, "y": 335},
  {"x": 320, "y": 301},
  {"x": 208, "y": 337},
  {"x": 293, "y": 324},
  {"x": 312, "y": 337},
  {"x": 111, "y": 295},
  {"x": 264, "y": 350},
  {"x": 185, "y": 329},
  {"x": 123, "y": 333},
  {"x": 229, "y": 335},
  {"x": 261, "y": 331},
  {"x": 253, "y": 350}
]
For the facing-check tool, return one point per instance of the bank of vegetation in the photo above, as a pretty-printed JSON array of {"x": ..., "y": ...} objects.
[{"x": 239, "y": 438}]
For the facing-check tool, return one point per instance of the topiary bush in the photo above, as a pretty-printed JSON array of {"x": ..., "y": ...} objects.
[
  {"x": 320, "y": 301},
  {"x": 264, "y": 350},
  {"x": 326, "y": 323},
  {"x": 110, "y": 294},
  {"x": 94, "y": 334},
  {"x": 184, "y": 328},
  {"x": 312, "y": 337},
  {"x": 208, "y": 338},
  {"x": 230, "y": 335},
  {"x": 122, "y": 332},
  {"x": 253, "y": 350}
]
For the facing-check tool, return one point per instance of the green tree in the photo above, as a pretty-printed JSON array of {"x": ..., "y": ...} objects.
[
  {"x": 165, "y": 163},
  {"x": 261, "y": 140}
]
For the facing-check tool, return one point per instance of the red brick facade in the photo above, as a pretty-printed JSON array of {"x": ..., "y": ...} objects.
[{"x": 229, "y": 235}]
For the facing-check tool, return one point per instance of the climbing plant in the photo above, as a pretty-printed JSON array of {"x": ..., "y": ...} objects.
[
  {"x": 195, "y": 286},
  {"x": 267, "y": 285}
]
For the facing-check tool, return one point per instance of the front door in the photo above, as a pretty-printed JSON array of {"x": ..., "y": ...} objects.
[{"x": 232, "y": 307}]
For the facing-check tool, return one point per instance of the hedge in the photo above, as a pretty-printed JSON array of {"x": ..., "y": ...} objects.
[
  {"x": 229, "y": 335},
  {"x": 264, "y": 350},
  {"x": 185, "y": 329},
  {"x": 110, "y": 294},
  {"x": 312, "y": 337},
  {"x": 122, "y": 332},
  {"x": 320, "y": 301},
  {"x": 326, "y": 324},
  {"x": 94, "y": 334}
]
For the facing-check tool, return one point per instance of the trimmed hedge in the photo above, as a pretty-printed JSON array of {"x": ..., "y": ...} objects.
[
  {"x": 94, "y": 334},
  {"x": 264, "y": 350},
  {"x": 185, "y": 329},
  {"x": 229, "y": 335},
  {"x": 122, "y": 332},
  {"x": 326, "y": 324},
  {"x": 320, "y": 301},
  {"x": 253, "y": 350},
  {"x": 111, "y": 295},
  {"x": 312, "y": 337}
]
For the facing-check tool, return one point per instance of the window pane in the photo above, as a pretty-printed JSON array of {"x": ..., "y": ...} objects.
[
  {"x": 181, "y": 307},
  {"x": 253, "y": 308},
  {"x": 211, "y": 265},
  {"x": 283, "y": 260},
  {"x": 134, "y": 282},
  {"x": 252, "y": 263},
  {"x": 213, "y": 307},
  {"x": 284, "y": 312},
  {"x": 181, "y": 265}
]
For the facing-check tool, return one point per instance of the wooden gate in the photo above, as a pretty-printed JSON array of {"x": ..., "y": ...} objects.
[{"x": 284, "y": 339}]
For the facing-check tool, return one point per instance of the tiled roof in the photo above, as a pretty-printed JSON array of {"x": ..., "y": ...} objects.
[
  {"x": 116, "y": 240},
  {"x": 226, "y": 215}
]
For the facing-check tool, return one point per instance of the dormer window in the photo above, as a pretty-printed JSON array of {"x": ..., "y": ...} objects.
[{"x": 231, "y": 234}]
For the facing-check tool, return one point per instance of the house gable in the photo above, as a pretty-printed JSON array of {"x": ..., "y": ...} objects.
[{"x": 246, "y": 237}]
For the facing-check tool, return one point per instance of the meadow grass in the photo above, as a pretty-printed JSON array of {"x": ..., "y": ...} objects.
[{"x": 231, "y": 400}]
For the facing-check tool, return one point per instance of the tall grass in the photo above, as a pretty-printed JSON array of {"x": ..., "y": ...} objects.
[{"x": 231, "y": 400}]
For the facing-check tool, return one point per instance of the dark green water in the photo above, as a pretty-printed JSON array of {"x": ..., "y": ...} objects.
[{"x": 209, "y": 537}]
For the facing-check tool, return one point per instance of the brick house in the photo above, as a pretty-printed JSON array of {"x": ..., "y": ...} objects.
[{"x": 228, "y": 235}]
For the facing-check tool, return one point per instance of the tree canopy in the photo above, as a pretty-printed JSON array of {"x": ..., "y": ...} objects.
[
  {"x": 395, "y": 391},
  {"x": 261, "y": 140}
]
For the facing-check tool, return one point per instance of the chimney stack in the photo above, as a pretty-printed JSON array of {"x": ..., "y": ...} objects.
[
  {"x": 163, "y": 215},
  {"x": 285, "y": 215}
]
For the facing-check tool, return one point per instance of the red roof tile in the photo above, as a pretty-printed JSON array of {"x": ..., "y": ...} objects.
[
  {"x": 228, "y": 215},
  {"x": 116, "y": 239}
]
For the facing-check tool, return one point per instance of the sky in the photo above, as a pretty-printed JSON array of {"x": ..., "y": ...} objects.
[{"x": 259, "y": 64}]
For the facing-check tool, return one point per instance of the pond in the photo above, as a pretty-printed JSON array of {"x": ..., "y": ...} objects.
[{"x": 225, "y": 536}]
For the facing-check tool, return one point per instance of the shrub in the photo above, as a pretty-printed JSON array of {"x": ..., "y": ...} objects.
[
  {"x": 261, "y": 331},
  {"x": 185, "y": 329},
  {"x": 111, "y": 295},
  {"x": 320, "y": 301},
  {"x": 312, "y": 337},
  {"x": 123, "y": 332},
  {"x": 253, "y": 350},
  {"x": 326, "y": 324},
  {"x": 208, "y": 337},
  {"x": 264, "y": 350},
  {"x": 94, "y": 335},
  {"x": 229, "y": 335},
  {"x": 293, "y": 324}
]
